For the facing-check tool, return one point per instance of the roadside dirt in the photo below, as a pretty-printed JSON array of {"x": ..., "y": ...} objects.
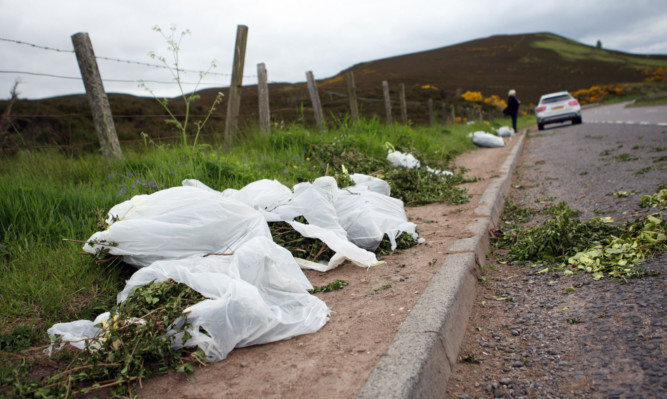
[{"x": 337, "y": 360}]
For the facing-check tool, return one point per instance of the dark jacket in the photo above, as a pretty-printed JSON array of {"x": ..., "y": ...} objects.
[{"x": 512, "y": 106}]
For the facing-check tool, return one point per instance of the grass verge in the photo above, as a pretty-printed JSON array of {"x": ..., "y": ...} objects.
[{"x": 50, "y": 202}]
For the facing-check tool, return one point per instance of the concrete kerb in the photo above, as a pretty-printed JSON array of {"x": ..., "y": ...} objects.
[{"x": 419, "y": 361}]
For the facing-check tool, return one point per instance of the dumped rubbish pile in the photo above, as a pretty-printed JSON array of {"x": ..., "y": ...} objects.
[
  {"x": 224, "y": 245},
  {"x": 219, "y": 270}
]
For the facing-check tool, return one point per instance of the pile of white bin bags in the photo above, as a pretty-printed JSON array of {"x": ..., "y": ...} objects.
[{"x": 219, "y": 244}]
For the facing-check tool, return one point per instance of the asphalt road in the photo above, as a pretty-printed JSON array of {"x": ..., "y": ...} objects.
[
  {"x": 585, "y": 164},
  {"x": 618, "y": 350},
  {"x": 569, "y": 336},
  {"x": 621, "y": 114}
]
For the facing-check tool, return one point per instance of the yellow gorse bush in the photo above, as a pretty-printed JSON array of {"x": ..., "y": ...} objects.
[
  {"x": 658, "y": 74},
  {"x": 598, "y": 93},
  {"x": 496, "y": 101},
  {"x": 476, "y": 96}
]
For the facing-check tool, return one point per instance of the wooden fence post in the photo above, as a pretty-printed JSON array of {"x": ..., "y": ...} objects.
[
  {"x": 263, "y": 94},
  {"x": 352, "y": 94},
  {"x": 315, "y": 99},
  {"x": 97, "y": 97},
  {"x": 444, "y": 113},
  {"x": 387, "y": 101},
  {"x": 234, "y": 101},
  {"x": 431, "y": 117},
  {"x": 404, "y": 105},
  {"x": 451, "y": 107}
]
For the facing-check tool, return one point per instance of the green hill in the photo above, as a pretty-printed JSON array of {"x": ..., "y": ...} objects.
[{"x": 532, "y": 64}]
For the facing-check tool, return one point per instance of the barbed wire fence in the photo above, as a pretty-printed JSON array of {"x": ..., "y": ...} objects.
[
  {"x": 175, "y": 80},
  {"x": 116, "y": 60},
  {"x": 447, "y": 112}
]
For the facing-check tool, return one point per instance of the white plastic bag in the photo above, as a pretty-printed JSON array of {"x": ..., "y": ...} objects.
[
  {"x": 484, "y": 139},
  {"x": 398, "y": 158},
  {"x": 368, "y": 216},
  {"x": 505, "y": 131},
  {"x": 314, "y": 201},
  {"x": 176, "y": 223},
  {"x": 263, "y": 195},
  {"x": 368, "y": 183},
  {"x": 342, "y": 246},
  {"x": 255, "y": 296}
]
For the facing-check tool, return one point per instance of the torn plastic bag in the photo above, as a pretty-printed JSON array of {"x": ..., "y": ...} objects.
[
  {"x": 342, "y": 246},
  {"x": 314, "y": 201},
  {"x": 398, "y": 158},
  {"x": 176, "y": 223},
  {"x": 77, "y": 333},
  {"x": 255, "y": 296},
  {"x": 368, "y": 216},
  {"x": 440, "y": 172},
  {"x": 484, "y": 139}
]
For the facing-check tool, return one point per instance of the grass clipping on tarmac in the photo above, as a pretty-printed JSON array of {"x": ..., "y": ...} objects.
[{"x": 564, "y": 243}]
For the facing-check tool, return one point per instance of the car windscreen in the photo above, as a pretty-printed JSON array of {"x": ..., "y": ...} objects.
[{"x": 555, "y": 99}]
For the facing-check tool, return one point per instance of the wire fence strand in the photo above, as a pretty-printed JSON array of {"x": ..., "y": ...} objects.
[{"x": 111, "y": 59}]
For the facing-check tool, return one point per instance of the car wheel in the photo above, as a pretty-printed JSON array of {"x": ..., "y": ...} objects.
[
  {"x": 540, "y": 126},
  {"x": 576, "y": 121}
]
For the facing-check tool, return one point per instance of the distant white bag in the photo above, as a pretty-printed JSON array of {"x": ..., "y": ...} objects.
[
  {"x": 176, "y": 223},
  {"x": 398, "y": 158},
  {"x": 484, "y": 139},
  {"x": 505, "y": 131},
  {"x": 255, "y": 296}
]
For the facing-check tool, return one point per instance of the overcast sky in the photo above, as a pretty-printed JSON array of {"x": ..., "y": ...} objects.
[{"x": 289, "y": 36}]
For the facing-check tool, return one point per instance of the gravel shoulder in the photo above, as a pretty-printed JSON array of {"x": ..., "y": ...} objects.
[{"x": 533, "y": 335}]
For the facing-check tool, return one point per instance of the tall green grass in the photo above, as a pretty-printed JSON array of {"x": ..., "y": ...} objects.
[{"x": 48, "y": 199}]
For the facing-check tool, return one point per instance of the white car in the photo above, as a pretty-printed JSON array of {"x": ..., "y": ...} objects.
[{"x": 557, "y": 108}]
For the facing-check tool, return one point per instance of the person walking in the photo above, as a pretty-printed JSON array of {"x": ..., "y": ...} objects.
[{"x": 512, "y": 107}]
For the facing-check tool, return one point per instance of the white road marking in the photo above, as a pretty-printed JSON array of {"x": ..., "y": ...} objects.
[{"x": 643, "y": 123}]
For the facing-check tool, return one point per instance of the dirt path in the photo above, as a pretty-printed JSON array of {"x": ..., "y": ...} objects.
[{"x": 337, "y": 360}]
